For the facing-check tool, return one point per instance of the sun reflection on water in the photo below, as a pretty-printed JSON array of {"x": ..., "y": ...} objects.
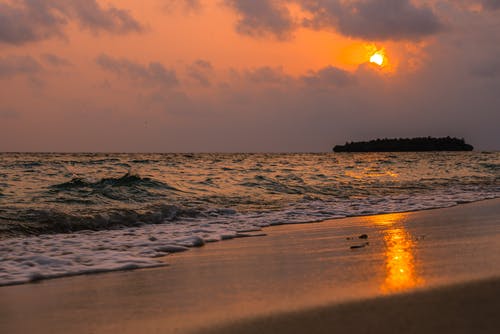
[{"x": 400, "y": 263}]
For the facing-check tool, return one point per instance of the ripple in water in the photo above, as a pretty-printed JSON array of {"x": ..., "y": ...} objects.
[{"x": 66, "y": 214}]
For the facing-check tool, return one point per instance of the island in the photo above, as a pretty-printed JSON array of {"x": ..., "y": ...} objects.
[{"x": 420, "y": 144}]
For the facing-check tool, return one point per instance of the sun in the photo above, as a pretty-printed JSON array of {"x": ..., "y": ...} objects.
[{"x": 377, "y": 58}]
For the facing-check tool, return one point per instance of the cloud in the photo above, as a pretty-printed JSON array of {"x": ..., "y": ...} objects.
[
  {"x": 366, "y": 19},
  {"x": 152, "y": 74},
  {"x": 27, "y": 21},
  {"x": 267, "y": 74},
  {"x": 265, "y": 77},
  {"x": 178, "y": 103},
  {"x": 262, "y": 18},
  {"x": 91, "y": 16},
  {"x": 55, "y": 60},
  {"x": 329, "y": 77},
  {"x": 9, "y": 114},
  {"x": 491, "y": 4},
  {"x": 374, "y": 19},
  {"x": 200, "y": 71},
  {"x": 487, "y": 68},
  {"x": 17, "y": 65}
]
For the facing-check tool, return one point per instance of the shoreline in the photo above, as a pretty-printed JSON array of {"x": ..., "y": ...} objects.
[
  {"x": 239, "y": 235},
  {"x": 5, "y": 236},
  {"x": 294, "y": 268}
]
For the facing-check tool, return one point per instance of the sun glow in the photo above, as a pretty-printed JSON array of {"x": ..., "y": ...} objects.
[{"x": 377, "y": 58}]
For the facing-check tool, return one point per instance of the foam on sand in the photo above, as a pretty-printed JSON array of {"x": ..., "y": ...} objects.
[{"x": 27, "y": 259}]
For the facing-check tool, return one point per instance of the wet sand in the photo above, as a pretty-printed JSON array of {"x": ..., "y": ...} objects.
[
  {"x": 463, "y": 308},
  {"x": 297, "y": 274}
]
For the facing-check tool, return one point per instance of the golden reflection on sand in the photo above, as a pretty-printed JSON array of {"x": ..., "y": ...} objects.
[{"x": 400, "y": 264}]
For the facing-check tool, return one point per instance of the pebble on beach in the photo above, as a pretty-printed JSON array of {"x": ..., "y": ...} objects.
[{"x": 360, "y": 246}]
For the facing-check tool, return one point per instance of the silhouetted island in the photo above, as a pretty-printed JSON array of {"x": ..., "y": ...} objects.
[{"x": 421, "y": 144}]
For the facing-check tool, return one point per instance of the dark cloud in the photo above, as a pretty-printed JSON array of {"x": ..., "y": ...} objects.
[
  {"x": 329, "y": 77},
  {"x": 200, "y": 71},
  {"x": 26, "y": 21},
  {"x": 374, "y": 19},
  {"x": 15, "y": 65},
  {"x": 9, "y": 114},
  {"x": 266, "y": 77},
  {"x": 487, "y": 68},
  {"x": 367, "y": 19},
  {"x": 263, "y": 17},
  {"x": 92, "y": 16},
  {"x": 267, "y": 74},
  {"x": 178, "y": 103},
  {"x": 152, "y": 74},
  {"x": 55, "y": 60},
  {"x": 491, "y": 4}
]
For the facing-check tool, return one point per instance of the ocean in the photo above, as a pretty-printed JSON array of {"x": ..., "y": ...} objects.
[{"x": 69, "y": 214}]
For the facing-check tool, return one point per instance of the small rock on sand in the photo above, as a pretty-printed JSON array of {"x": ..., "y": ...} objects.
[{"x": 360, "y": 246}]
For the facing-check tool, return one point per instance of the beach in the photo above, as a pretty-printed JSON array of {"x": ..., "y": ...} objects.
[{"x": 315, "y": 277}]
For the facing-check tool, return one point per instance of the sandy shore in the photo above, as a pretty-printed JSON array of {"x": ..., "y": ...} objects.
[
  {"x": 463, "y": 308},
  {"x": 303, "y": 274}
]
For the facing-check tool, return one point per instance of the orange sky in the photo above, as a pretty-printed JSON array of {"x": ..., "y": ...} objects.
[{"x": 235, "y": 60}]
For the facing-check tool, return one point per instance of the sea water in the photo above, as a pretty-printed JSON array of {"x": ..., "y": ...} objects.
[{"x": 68, "y": 214}]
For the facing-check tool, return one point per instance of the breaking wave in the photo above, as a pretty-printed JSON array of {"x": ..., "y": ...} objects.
[{"x": 127, "y": 180}]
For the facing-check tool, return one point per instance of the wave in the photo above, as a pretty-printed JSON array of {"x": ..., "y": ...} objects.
[
  {"x": 25, "y": 164},
  {"x": 144, "y": 161},
  {"x": 127, "y": 180},
  {"x": 127, "y": 188},
  {"x": 490, "y": 166},
  {"x": 37, "y": 222},
  {"x": 274, "y": 186}
]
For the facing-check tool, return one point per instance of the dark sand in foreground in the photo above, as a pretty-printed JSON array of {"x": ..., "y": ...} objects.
[
  {"x": 300, "y": 278},
  {"x": 465, "y": 308}
]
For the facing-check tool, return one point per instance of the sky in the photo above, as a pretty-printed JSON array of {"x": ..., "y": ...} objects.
[{"x": 245, "y": 76}]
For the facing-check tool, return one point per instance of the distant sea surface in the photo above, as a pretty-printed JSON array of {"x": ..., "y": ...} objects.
[{"x": 66, "y": 214}]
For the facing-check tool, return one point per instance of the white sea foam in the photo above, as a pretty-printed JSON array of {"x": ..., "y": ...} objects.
[{"x": 29, "y": 259}]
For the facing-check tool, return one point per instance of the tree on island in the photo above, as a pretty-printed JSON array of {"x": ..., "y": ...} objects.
[{"x": 419, "y": 144}]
